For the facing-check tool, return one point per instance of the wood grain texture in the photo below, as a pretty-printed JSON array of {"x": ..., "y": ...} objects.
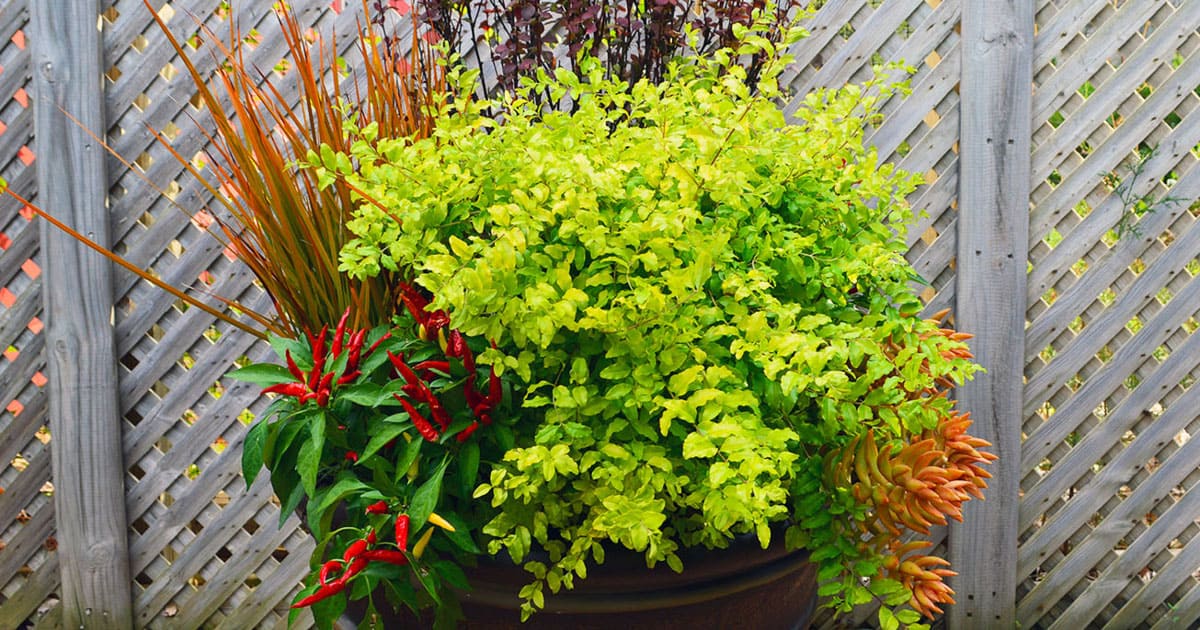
[
  {"x": 993, "y": 224},
  {"x": 88, "y": 468}
]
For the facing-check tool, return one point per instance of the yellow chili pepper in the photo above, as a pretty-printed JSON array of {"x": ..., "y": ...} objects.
[
  {"x": 422, "y": 543},
  {"x": 434, "y": 519}
]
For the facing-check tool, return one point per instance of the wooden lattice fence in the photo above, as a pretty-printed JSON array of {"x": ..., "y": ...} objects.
[{"x": 1091, "y": 521}]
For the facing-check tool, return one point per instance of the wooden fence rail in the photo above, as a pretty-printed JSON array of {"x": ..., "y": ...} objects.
[{"x": 1059, "y": 142}]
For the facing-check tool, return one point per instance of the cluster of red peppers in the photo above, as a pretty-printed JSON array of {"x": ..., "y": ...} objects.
[
  {"x": 435, "y": 325},
  {"x": 361, "y": 553},
  {"x": 914, "y": 487},
  {"x": 317, "y": 385}
]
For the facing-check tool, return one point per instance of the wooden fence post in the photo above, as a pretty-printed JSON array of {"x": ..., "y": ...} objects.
[
  {"x": 993, "y": 233},
  {"x": 89, "y": 488}
]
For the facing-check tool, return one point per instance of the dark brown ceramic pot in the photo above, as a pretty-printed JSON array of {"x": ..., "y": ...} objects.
[{"x": 743, "y": 586}]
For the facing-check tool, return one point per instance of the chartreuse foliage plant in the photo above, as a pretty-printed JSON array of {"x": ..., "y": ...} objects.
[{"x": 700, "y": 315}]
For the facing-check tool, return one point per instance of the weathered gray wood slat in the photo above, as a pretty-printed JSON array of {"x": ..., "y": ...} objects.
[
  {"x": 89, "y": 475},
  {"x": 1116, "y": 472},
  {"x": 18, "y": 373},
  {"x": 22, "y": 248},
  {"x": 1056, "y": 264},
  {"x": 191, "y": 501},
  {"x": 1124, "y": 467},
  {"x": 1042, "y": 440},
  {"x": 1188, "y": 607},
  {"x": 247, "y": 557},
  {"x": 1115, "y": 90},
  {"x": 1083, "y": 63},
  {"x": 1100, "y": 540},
  {"x": 221, "y": 473},
  {"x": 1046, "y": 437},
  {"x": 823, "y": 27},
  {"x": 11, "y": 142},
  {"x": 208, "y": 369},
  {"x": 1073, "y": 354},
  {"x": 1102, "y": 219},
  {"x": 203, "y": 549},
  {"x": 24, "y": 183},
  {"x": 1100, "y": 440},
  {"x": 1152, "y": 595},
  {"x": 1117, "y": 146},
  {"x": 140, "y": 70},
  {"x": 934, "y": 200},
  {"x": 271, "y": 593},
  {"x": 928, "y": 91},
  {"x": 52, "y": 620},
  {"x": 16, "y": 610},
  {"x": 28, "y": 540},
  {"x": 1115, "y": 578},
  {"x": 202, "y": 434},
  {"x": 928, "y": 149},
  {"x": 856, "y": 53},
  {"x": 13, "y": 15},
  {"x": 19, "y": 433},
  {"x": 993, "y": 218},
  {"x": 930, "y": 34},
  {"x": 18, "y": 496},
  {"x": 1054, "y": 34}
]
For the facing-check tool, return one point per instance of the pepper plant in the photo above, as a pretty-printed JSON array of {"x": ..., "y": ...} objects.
[{"x": 694, "y": 319}]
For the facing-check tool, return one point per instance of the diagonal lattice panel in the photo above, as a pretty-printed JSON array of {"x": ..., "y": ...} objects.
[
  {"x": 1107, "y": 517},
  {"x": 28, "y": 565},
  {"x": 204, "y": 549}
]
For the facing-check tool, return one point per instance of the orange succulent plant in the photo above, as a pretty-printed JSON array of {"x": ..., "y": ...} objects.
[{"x": 911, "y": 486}]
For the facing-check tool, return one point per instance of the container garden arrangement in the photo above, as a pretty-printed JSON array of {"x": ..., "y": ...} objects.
[{"x": 589, "y": 319}]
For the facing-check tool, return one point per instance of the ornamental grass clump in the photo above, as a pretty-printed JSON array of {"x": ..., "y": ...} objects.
[{"x": 694, "y": 320}]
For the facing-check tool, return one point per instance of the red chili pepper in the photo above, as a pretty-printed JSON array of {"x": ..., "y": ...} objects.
[
  {"x": 466, "y": 433},
  {"x": 402, "y": 522},
  {"x": 495, "y": 390},
  {"x": 386, "y": 555},
  {"x": 386, "y": 336},
  {"x": 371, "y": 537},
  {"x": 441, "y": 366},
  {"x": 318, "y": 357},
  {"x": 414, "y": 301},
  {"x": 355, "y": 548},
  {"x": 351, "y": 456},
  {"x": 292, "y": 367},
  {"x": 325, "y": 592},
  {"x": 326, "y": 382},
  {"x": 328, "y": 568},
  {"x": 339, "y": 332},
  {"x": 402, "y": 368},
  {"x": 379, "y": 507},
  {"x": 436, "y": 321},
  {"x": 455, "y": 344},
  {"x": 420, "y": 422},
  {"x": 356, "y": 567},
  {"x": 349, "y": 377},
  {"x": 307, "y": 396},
  {"x": 355, "y": 346},
  {"x": 287, "y": 389},
  {"x": 323, "y": 398}
]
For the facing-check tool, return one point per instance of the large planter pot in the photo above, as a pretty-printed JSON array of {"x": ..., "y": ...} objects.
[{"x": 743, "y": 586}]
